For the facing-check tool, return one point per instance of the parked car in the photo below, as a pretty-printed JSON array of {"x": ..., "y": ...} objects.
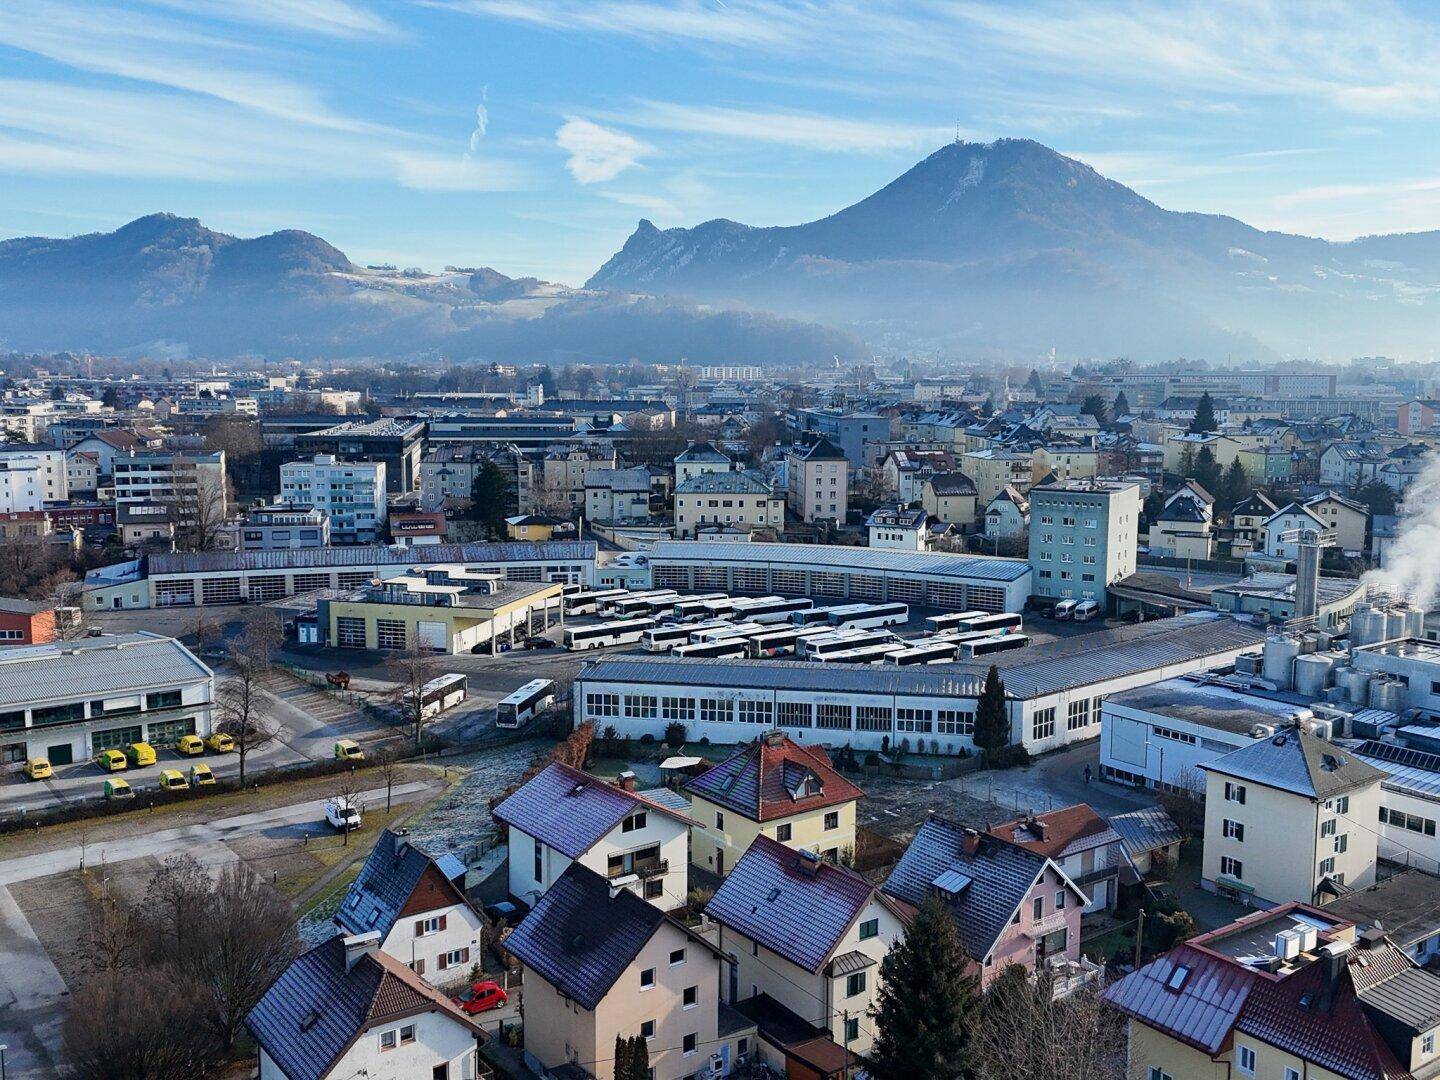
[
  {"x": 220, "y": 743},
  {"x": 189, "y": 746},
  {"x": 481, "y": 997},
  {"x": 349, "y": 749},
  {"x": 38, "y": 768},
  {"x": 1086, "y": 610},
  {"x": 504, "y": 911},
  {"x": 116, "y": 788},
  {"x": 200, "y": 775},
  {"x": 539, "y": 643},
  {"x": 173, "y": 780},
  {"x": 111, "y": 760},
  {"x": 140, "y": 754},
  {"x": 342, "y": 814}
]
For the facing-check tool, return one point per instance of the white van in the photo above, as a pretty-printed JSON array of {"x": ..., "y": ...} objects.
[
  {"x": 1064, "y": 609},
  {"x": 1086, "y": 610},
  {"x": 342, "y": 815}
]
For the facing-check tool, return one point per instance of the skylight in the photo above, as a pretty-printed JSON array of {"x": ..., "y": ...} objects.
[{"x": 1177, "y": 978}]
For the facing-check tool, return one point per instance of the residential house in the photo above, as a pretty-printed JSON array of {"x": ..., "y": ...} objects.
[
  {"x": 1248, "y": 517},
  {"x": 1080, "y": 842},
  {"x": 560, "y": 485},
  {"x": 1011, "y": 905},
  {"x": 817, "y": 479},
  {"x": 776, "y": 787},
  {"x": 26, "y": 622},
  {"x": 635, "y": 840},
  {"x": 1292, "y": 993},
  {"x": 51, "y": 478},
  {"x": 82, "y": 473},
  {"x": 898, "y": 529},
  {"x": 1064, "y": 461},
  {"x": 1182, "y": 530},
  {"x": 743, "y": 500},
  {"x": 1287, "y": 521},
  {"x": 417, "y": 904},
  {"x": 1349, "y": 465},
  {"x": 1347, "y": 520},
  {"x": 810, "y": 934},
  {"x": 995, "y": 469},
  {"x": 599, "y": 963},
  {"x": 1289, "y": 817},
  {"x": 1008, "y": 514},
  {"x": 618, "y": 495},
  {"x": 346, "y": 1009},
  {"x": 1266, "y": 464},
  {"x": 1416, "y": 416},
  {"x": 951, "y": 497},
  {"x": 906, "y": 471},
  {"x": 700, "y": 458},
  {"x": 536, "y": 528}
]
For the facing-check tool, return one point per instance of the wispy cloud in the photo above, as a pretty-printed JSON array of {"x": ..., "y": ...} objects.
[
  {"x": 810, "y": 131},
  {"x": 442, "y": 172},
  {"x": 328, "y": 18},
  {"x": 597, "y": 154}
]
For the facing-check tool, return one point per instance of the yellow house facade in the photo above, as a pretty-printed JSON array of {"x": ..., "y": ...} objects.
[{"x": 400, "y": 615}]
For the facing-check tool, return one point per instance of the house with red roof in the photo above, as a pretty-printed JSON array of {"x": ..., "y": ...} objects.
[
  {"x": 771, "y": 787},
  {"x": 1080, "y": 842},
  {"x": 1292, "y": 992}
]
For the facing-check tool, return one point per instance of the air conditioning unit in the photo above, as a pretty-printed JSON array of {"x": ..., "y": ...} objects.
[{"x": 1287, "y": 944}]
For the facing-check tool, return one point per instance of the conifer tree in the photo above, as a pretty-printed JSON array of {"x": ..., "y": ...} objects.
[{"x": 992, "y": 722}]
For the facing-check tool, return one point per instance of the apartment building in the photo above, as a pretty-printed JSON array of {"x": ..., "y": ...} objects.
[
  {"x": 996, "y": 468},
  {"x": 283, "y": 527},
  {"x": 51, "y": 478},
  {"x": 952, "y": 498},
  {"x": 1083, "y": 536},
  {"x": 742, "y": 500},
  {"x": 180, "y": 480},
  {"x": 617, "y": 495},
  {"x": 700, "y": 458},
  {"x": 817, "y": 479},
  {"x": 350, "y": 493},
  {"x": 395, "y": 443},
  {"x": 21, "y": 487}
]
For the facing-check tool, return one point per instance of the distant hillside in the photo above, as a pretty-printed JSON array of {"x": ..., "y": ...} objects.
[
  {"x": 1013, "y": 245},
  {"x": 168, "y": 285}
]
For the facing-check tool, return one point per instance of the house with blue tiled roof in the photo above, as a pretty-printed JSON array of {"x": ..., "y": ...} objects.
[{"x": 417, "y": 904}]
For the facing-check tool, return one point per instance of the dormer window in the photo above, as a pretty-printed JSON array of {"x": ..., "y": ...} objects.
[{"x": 634, "y": 822}]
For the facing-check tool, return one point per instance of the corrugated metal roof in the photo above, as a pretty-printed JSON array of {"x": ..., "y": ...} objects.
[
  {"x": 837, "y": 557},
  {"x": 1146, "y": 829},
  {"x": 206, "y": 562},
  {"x": 1209, "y": 999},
  {"x": 1413, "y": 771},
  {"x": 93, "y": 666}
]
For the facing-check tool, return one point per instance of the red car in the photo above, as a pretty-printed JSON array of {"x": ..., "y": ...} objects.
[{"x": 482, "y": 997}]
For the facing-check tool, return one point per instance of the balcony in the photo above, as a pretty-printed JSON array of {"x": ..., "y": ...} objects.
[{"x": 641, "y": 865}]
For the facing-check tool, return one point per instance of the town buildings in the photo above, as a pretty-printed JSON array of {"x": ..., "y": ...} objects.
[
  {"x": 817, "y": 478},
  {"x": 742, "y": 500},
  {"x": 1083, "y": 536},
  {"x": 351, "y": 494},
  {"x": 395, "y": 444}
]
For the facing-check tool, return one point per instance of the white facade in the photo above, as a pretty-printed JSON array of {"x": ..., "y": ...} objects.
[
  {"x": 351, "y": 492},
  {"x": 422, "y": 1044},
  {"x": 535, "y": 866},
  {"x": 21, "y": 488},
  {"x": 1286, "y": 521},
  {"x": 438, "y": 945},
  {"x": 49, "y": 463},
  {"x": 1083, "y": 537}
]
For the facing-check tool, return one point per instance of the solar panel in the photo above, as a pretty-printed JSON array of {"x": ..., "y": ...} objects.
[
  {"x": 1400, "y": 755},
  {"x": 952, "y": 882}
]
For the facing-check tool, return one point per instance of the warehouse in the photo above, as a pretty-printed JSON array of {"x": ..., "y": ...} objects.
[
  {"x": 923, "y": 579},
  {"x": 234, "y": 577},
  {"x": 1054, "y": 690}
]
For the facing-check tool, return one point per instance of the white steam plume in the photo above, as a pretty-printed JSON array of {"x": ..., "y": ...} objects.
[{"x": 1412, "y": 564}]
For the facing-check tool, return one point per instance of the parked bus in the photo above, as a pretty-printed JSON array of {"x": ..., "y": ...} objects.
[
  {"x": 951, "y": 620},
  {"x": 721, "y": 647},
  {"x": 687, "y": 606},
  {"x": 865, "y": 654},
  {"x": 1003, "y": 623},
  {"x": 615, "y": 632},
  {"x": 932, "y": 652},
  {"x": 719, "y": 608},
  {"x": 724, "y": 630},
  {"x": 587, "y": 602},
  {"x": 439, "y": 694},
  {"x": 871, "y": 615},
  {"x": 811, "y": 616},
  {"x": 826, "y": 644},
  {"x": 535, "y": 696},
  {"x": 782, "y": 641},
  {"x": 662, "y": 638},
  {"x": 1086, "y": 610},
  {"x": 640, "y": 606},
  {"x": 969, "y": 650},
  {"x": 777, "y": 610}
]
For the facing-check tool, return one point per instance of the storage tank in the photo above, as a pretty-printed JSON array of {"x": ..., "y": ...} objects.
[
  {"x": 1395, "y": 624},
  {"x": 1280, "y": 654},
  {"x": 1312, "y": 673},
  {"x": 1356, "y": 684},
  {"x": 1387, "y": 694},
  {"x": 1367, "y": 626},
  {"x": 1414, "y": 621}
]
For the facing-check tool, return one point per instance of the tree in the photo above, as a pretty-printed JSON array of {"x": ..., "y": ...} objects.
[
  {"x": 1378, "y": 497},
  {"x": 199, "y": 509},
  {"x": 1025, "y": 1033},
  {"x": 491, "y": 498},
  {"x": 347, "y": 793},
  {"x": 240, "y": 698},
  {"x": 1034, "y": 382},
  {"x": 992, "y": 720},
  {"x": 632, "y": 1058},
  {"x": 926, "y": 1003},
  {"x": 57, "y": 392},
  {"x": 1122, "y": 405},
  {"x": 1187, "y": 461},
  {"x": 153, "y": 1028},
  {"x": 546, "y": 378},
  {"x": 1234, "y": 485},
  {"x": 387, "y": 764},
  {"x": 1094, "y": 405},
  {"x": 1207, "y": 470},
  {"x": 110, "y": 399},
  {"x": 1204, "y": 415},
  {"x": 174, "y": 898},
  {"x": 987, "y": 410},
  {"x": 410, "y": 669}
]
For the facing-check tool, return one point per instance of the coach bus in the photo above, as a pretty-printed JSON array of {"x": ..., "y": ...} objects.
[
  {"x": 587, "y": 602},
  {"x": 818, "y": 615},
  {"x": 535, "y": 696},
  {"x": 826, "y": 644},
  {"x": 643, "y": 605},
  {"x": 439, "y": 694},
  {"x": 931, "y": 652},
  {"x": 777, "y": 610},
  {"x": 661, "y": 638},
  {"x": 783, "y": 640},
  {"x": 1003, "y": 623},
  {"x": 865, "y": 654},
  {"x": 969, "y": 650},
  {"x": 951, "y": 620},
  {"x": 871, "y": 615},
  {"x": 724, "y": 630},
  {"x": 722, "y": 647},
  {"x": 688, "y": 606},
  {"x": 600, "y": 635}
]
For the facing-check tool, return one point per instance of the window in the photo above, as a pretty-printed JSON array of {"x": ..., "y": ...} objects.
[
  {"x": 1427, "y": 1043},
  {"x": 677, "y": 708},
  {"x": 855, "y": 984},
  {"x": 1342, "y": 804},
  {"x": 794, "y": 714},
  {"x": 1042, "y": 724},
  {"x": 719, "y": 820},
  {"x": 441, "y": 1071},
  {"x": 1245, "y": 1060},
  {"x": 647, "y": 1030},
  {"x": 832, "y": 820},
  {"x": 1342, "y": 843},
  {"x": 952, "y": 722},
  {"x": 715, "y": 711},
  {"x": 1291, "y": 1074},
  {"x": 1157, "y": 1073},
  {"x": 634, "y": 822},
  {"x": 1235, "y": 793},
  {"x": 852, "y": 1029},
  {"x": 388, "y": 1039},
  {"x": 539, "y": 874},
  {"x": 783, "y": 832},
  {"x": 654, "y": 888},
  {"x": 677, "y": 957},
  {"x": 407, "y": 1034},
  {"x": 869, "y": 928},
  {"x": 755, "y": 712},
  {"x": 689, "y": 1043},
  {"x": 1231, "y": 868},
  {"x": 602, "y": 704},
  {"x": 872, "y": 718},
  {"x": 1079, "y": 715},
  {"x": 1060, "y": 900},
  {"x": 912, "y": 720},
  {"x": 167, "y": 699},
  {"x": 1327, "y": 828},
  {"x": 690, "y": 997},
  {"x": 1234, "y": 830},
  {"x": 647, "y": 978},
  {"x": 641, "y": 706},
  {"x": 432, "y": 925},
  {"x": 1327, "y": 866}
]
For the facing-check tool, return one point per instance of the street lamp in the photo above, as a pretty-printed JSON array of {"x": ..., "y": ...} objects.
[{"x": 3, "y": 1048}]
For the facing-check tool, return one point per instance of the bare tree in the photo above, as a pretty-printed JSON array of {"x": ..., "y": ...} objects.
[
  {"x": 199, "y": 509},
  {"x": 410, "y": 669},
  {"x": 113, "y": 943},
  {"x": 387, "y": 763},
  {"x": 121, "y": 1027},
  {"x": 347, "y": 794},
  {"x": 1184, "y": 800},
  {"x": 1025, "y": 1034},
  {"x": 203, "y": 629},
  {"x": 240, "y": 697},
  {"x": 68, "y": 598},
  {"x": 175, "y": 897}
]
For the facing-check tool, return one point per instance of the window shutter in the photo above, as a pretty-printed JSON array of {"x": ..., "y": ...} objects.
[
  {"x": 465, "y": 955},
  {"x": 442, "y": 922},
  {"x": 419, "y": 927},
  {"x": 440, "y": 963}
]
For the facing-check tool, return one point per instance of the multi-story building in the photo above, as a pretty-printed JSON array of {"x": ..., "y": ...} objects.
[
  {"x": 1083, "y": 536},
  {"x": 350, "y": 493},
  {"x": 49, "y": 463},
  {"x": 283, "y": 527},
  {"x": 817, "y": 479},
  {"x": 447, "y": 473},
  {"x": 555, "y": 484},
  {"x": 617, "y": 495},
  {"x": 951, "y": 497},
  {"x": 1081, "y": 843},
  {"x": 171, "y": 479},
  {"x": 742, "y": 500},
  {"x": 1007, "y": 515},
  {"x": 397, "y": 444},
  {"x": 82, "y": 473},
  {"x": 700, "y": 458},
  {"x": 906, "y": 471},
  {"x": 996, "y": 468},
  {"x": 862, "y": 438},
  {"x": 898, "y": 529},
  {"x": 21, "y": 487}
]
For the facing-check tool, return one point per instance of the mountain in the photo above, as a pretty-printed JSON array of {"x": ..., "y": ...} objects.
[
  {"x": 166, "y": 285},
  {"x": 1010, "y": 245}
]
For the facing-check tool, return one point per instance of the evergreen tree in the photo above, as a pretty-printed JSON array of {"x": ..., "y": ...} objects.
[
  {"x": 1122, "y": 405},
  {"x": 490, "y": 497},
  {"x": 639, "y": 1059},
  {"x": 622, "y": 1058},
  {"x": 992, "y": 721},
  {"x": 1207, "y": 470},
  {"x": 546, "y": 378},
  {"x": 110, "y": 398},
  {"x": 927, "y": 1005},
  {"x": 1378, "y": 496},
  {"x": 1234, "y": 486},
  {"x": 1204, "y": 415},
  {"x": 1034, "y": 382},
  {"x": 1187, "y": 462},
  {"x": 988, "y": 409},
  {"x": 1095, "y": 406}
]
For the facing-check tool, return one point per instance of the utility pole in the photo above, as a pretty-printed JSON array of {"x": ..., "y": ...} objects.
[{"x": 1139, "y": 936}]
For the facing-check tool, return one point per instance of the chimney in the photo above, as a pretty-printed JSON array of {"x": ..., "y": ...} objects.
[
  {"x": 1333, "y": 959},
  {"x": 971, "y": 843},
  {"x": 808, "y": 863},
  {"x": 367, "y": 944},
  {"x": 774, "y": 738},
  {"x": 626, "y": 780},
  {"x": 400, "y": 838}
]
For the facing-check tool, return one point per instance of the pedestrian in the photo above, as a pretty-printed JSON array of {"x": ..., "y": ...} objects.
[{"x": 1087, "y": 772}]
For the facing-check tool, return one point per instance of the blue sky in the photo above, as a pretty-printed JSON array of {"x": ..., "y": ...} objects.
[{"x": 530, "y": 135}]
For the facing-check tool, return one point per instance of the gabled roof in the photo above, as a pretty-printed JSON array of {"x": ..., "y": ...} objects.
[
  {"x": 1011, "y": 494},
  {"x": 313, "y": 1013},
  {"x": 794, "y": 903},
  {"x": 724, "y": 483},
  {"x": 822, "y": 449},
  {"x": 952, "y": 483},
  {"x": 700, "y": 452},
  {"x": 1335, "y": 496},
  {"x": 983, "y": 887},
  {"x": 1255, "y": 504},
  {"x": 896, "y": 517},
  {"x": 1058, "y": 833},
  {"x": 1294, "y": 760},
  {"x": 580, "y": 936},
  {"x": 1145, "y": 830},
  {"x": 1186, "y": 510},
  {"x": 774, "y": 777},
  {"x": 570, "y": 810},
  {"x": 386, "y": 882},
  {"x": 1296, "y": 508}
]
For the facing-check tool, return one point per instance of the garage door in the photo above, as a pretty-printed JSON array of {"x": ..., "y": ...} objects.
[
  {"x": 434, "y": 635},
  {"x": 114, "y": 738},
  {"x": 165, "y": 732}
]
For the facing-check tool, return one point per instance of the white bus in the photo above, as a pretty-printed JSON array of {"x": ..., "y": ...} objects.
[
  {"x": 535, "y": 696},
  {"x": 969, "y": 650},
  {"x": 720, "y": 647},
  {"x": 934, "y": 651},
  {"x": 951, "y": 620},
  {"x": 587, "y": 602},
  {"x": 871, "y": 615},
  {"x": 661, "y": 638},
  {"x": 1003, "y": 623},
  {"x": 598, "y": 636},
  {"x": 1086, "y": 610},
  {"x": 719, "y": 608},
  {"x": 688, "y": 606},
  {"x": 823, "y": 645},
  {"x": 865, "y": 654},
  {"x": 817, "y": 615},
  {"x": 778, "y": 610},
  {"x": 439, "y": 694},
  {"x": 724, "y": 630},
  {"x": 782, "y": 641},
  {"x": 640, "y": 606}
]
